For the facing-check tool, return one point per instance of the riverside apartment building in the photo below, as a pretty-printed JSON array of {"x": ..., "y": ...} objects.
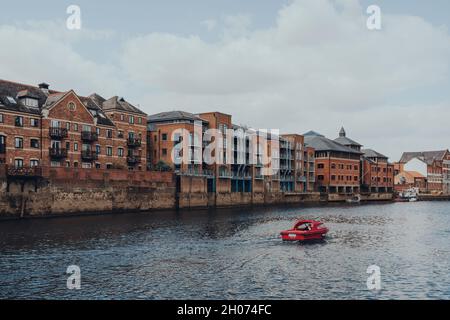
[{"x": 42, "y": 127}]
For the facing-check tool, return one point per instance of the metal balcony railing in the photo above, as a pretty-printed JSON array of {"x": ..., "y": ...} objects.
[
  {"x": 89, "y": 155},
  {"x": 134, "y": 142},
  {"x": 133, "y": 159},
  {"x": 89, "y": 136},
  {"x": 24, "y": 172},
  {"x": 58, "y": 133},
  {"x": 57, "y": 153}
]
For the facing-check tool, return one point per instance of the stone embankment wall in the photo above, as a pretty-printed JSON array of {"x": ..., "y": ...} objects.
[{"x": 66, "y": 191}]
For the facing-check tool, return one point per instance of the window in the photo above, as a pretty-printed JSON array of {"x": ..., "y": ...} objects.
[
  {"x": 97, "y": 149},
  {"x": 109, "y": 151},
  {"x": 356, "y": 167},
  {"x": 120, "y": 134},
  {"x": 18, "y": 163},
  {"x": 68, "y": 126},
  {"x": 109, "y": 133},
  {"x": 140, "y": 120},
  {"x": 34, "y": 122},
  {"x": 131, "y": 119},
  {"x": 67, "y": 146},
  {"x": 333, "y": 166},
  {"x": 122, "y": 117},
  {"x": 333, "y": 178},
  {"x": 86, "y": 128},
  {"x": 164, "y": 137},
  {"x": 320, "y": 177},
  {"x": 1, "y": 118},
  {"x": 67, "y": 164},
  {"x": 156, "y": 138},
  {"x": 164, "y": 152},
  {"x": 34, "y": 163},
  {"x": 18, "y": 143},
  {"x": 75, "y": 164},
  {"x": 120, "y": 152},
  {"x": 355, "y": 178},
  {"x": 19, "y": 121},
  {"x": 97, "y": 130},
  {"x": 71, "y": 106},
  {"x": 30, "y": 102},
  {"x": 109, "y": 166},
  {"x": 320, "y": 166},
  {"x": 75, "y": 127},
  {"x": 86, "y": 165},
  {"x": 34, "y": 143},
  {"x": 97, "y": 165},
  {"x": 75, "y": 148}
]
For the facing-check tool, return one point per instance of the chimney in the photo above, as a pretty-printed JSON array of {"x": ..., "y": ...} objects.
[{"x": 44, "y": 87}]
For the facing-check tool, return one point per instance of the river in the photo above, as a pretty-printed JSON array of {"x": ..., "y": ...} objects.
[{"x": 231, "y": 254}]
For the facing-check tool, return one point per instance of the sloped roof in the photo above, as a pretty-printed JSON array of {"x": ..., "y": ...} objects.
[
  {"x": 312, "y": 133},
  {"x": 321, "y": 143},
  {"x": 174, "y": 115},
  {"x": 369, "y": 153},
  {"x": 409, "y": 177},
  {"x": 96, "y": 111},
  {"x": 120, "y": 104},
  {"x": 347, "y": 141},
  {"x": 426, "y": 156},
  {"x": 15, "y": 90}
]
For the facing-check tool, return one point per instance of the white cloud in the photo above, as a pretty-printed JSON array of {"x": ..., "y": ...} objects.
[
  {"x": 38, "y": 51},
  {"x": 318, "y": 67}
]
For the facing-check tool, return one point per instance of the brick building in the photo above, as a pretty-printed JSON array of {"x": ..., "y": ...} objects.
[
  {"x": 297, "y": 171},
  {"x": 41, "y": 127},
  {"x": 337, "y": 166},
  {"x": 436, "y": 165},
  {"x": 253, "y": 161},
  {"x": 377, "y": 174}
]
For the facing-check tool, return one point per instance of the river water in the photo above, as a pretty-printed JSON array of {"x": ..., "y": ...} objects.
[{"x": 231, "y": 254}]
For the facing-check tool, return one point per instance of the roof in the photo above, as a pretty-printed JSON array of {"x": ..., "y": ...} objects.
[
  {"x": 96, "y": 111},
  {"x": 321, "y": 143},
  {"x": 409, "y": 177},
  {"x": 369, "y": 153},
  {"x": 120, "y": 104},
  {"x": 342, "y": 139},
  {"x": 10, "y": 91},
  {"x": 174, "y": 115},
  {"x": 312, "y": 133},
  {"x": 426, "y": 156},
  {"x": 347, "y": 141}
]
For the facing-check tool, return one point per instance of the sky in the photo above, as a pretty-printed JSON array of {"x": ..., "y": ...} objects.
[{"x": 292, "y": 65}]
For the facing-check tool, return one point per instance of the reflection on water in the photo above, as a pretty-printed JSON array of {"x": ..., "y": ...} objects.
[{"x": 231, "y": 254}]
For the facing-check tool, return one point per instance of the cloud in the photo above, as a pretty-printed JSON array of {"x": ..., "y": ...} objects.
[
  {"x": 210, "y": 24},
  {"x": 40, "y": 51},
  {"x": 318, "y": 67}
]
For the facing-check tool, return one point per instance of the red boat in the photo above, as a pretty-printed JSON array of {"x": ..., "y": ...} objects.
[{"x": 305, "y": 230}]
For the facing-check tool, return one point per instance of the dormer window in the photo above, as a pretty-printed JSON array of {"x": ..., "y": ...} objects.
[{"x": 30, "y": 102}]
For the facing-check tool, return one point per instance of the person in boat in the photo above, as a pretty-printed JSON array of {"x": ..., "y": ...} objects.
[{"x": 305, "y": 227}]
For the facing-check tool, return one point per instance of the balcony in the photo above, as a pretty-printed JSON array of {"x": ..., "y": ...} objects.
[
  {"x": 134, "y": 143},
  {"x": 89, "y": 155},
  {"x": 57, "y": 153},
  {"x": 89, "y": 136},
  {"x": 133, "y": 160},
  {"x": 24, "y": 172},
  {"x": 58, "y": 133}
]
